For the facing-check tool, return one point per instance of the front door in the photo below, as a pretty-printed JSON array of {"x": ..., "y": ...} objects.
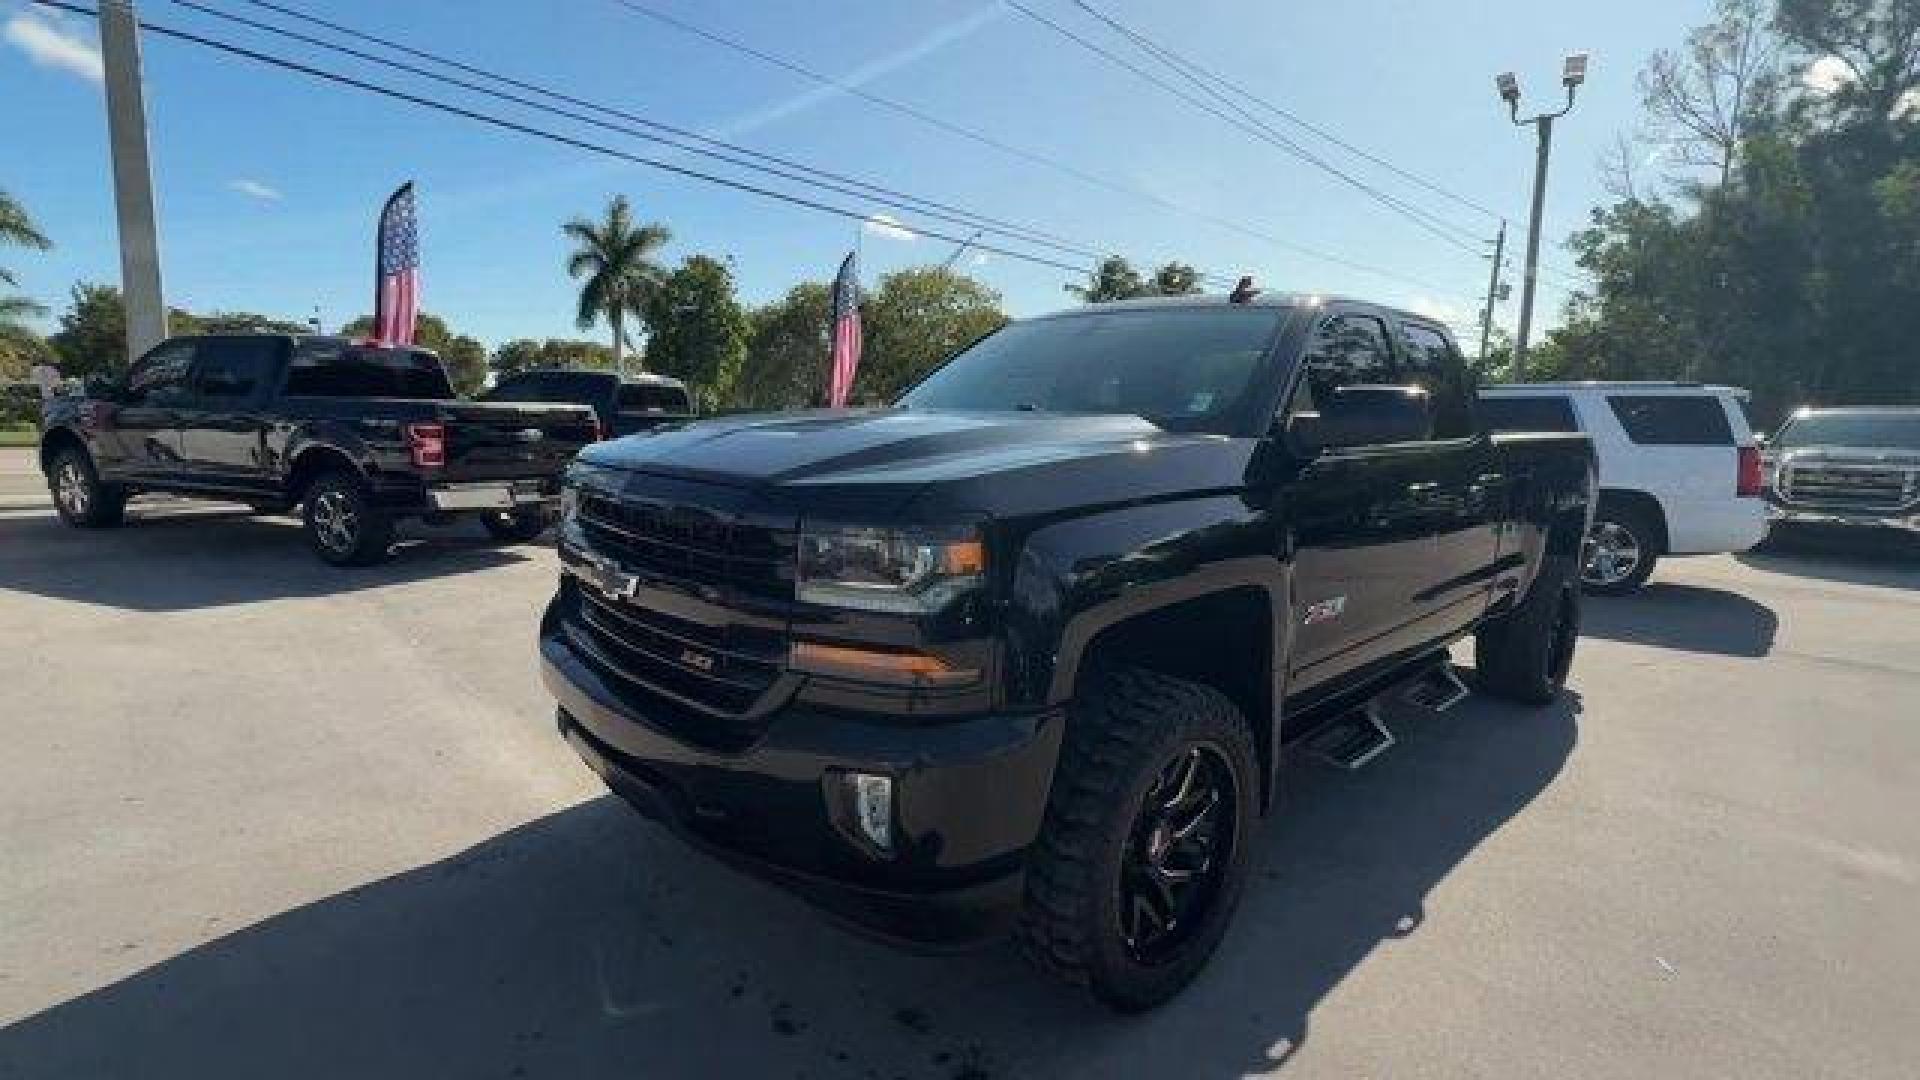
[
  {"x": 145, "y": 432},
  {"x": 1362, "y": 534}
]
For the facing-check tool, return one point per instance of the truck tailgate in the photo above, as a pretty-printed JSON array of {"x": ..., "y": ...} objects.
[{"x": 512, "y": 441}]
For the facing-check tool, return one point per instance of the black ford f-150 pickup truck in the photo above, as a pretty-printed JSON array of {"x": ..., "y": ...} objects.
[
  {"x": 355, "y": 434},
  {"x": 1025, "y": 651}
]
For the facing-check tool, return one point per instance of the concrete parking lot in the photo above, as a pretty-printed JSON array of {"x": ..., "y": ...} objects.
[{"x": 261, "y": 817}]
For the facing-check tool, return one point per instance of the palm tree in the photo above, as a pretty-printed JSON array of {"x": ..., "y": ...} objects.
[
  {"x": 18, "y": 229},
  {"x": 612, "y": 255}
]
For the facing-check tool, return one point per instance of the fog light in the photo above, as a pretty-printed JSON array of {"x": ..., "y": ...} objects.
[{"x": 873, "y": 808}]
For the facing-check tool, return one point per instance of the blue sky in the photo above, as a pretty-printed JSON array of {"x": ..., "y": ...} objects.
[{"x": 268, "y": 182}]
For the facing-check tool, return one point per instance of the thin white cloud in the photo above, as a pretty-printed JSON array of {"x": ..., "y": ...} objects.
[
  {"x": 254, "y": 189},
  {"x": 939, "y": 39},
  {"x": 1442, "y": 310},
  {"x": 53, "y": 46},
  {"x": 1826, "y": 76},
  {"x": 887, "y": 226},
  {"x": 1908, "y": 107},
  {"x": 982, "y": 258}
]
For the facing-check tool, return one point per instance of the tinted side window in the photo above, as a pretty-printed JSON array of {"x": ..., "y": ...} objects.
[
  {"x": 1347, "y": 350},
  {"x": 1433, "y": 363},
  {"x": 160, "y": 378},
  {"x": 1545, "y": 413},
  {"x": 1673, "y": 420},
  {"x": 233, "y": 369}
]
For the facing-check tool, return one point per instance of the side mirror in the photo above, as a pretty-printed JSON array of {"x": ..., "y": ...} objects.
[{"x": 1365, "y": 416}]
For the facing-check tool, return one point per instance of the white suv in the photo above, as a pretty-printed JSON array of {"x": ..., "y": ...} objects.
[{"x": 1680, "y": 469}]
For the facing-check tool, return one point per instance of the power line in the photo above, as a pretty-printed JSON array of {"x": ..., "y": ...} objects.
[
  {"x": 733, "y": 155},
  {"x": 1294, "y": 118},
  {"x": 923, "y": 117},
  {"x": 541, "y": 133},
  {"x": 1439, "y": 228}
]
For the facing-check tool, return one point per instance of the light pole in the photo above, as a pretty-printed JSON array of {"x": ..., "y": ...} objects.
[
  {"x": 1571, "y": 76},
  {"x": 132, "y": 178}
]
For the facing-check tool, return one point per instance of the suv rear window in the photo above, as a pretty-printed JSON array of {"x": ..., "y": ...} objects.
[
  {"x": 639, "y": 397},
  {"x": 1544, "y": 413},
  {"x": 1673, "y": 419},
  {"x": 575, "y": 387},
  {"x": 341, "y": 369}
]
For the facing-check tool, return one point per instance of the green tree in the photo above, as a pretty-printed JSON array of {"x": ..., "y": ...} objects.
[
  {"x": 18, "y": 230},
  {"x": 525, "y": 354},
  {"x": 241, "y": 322},
  {"x": 698, "y": 330},
  {"x": 1175, "y": 279},
  {"x": 20, "y": 350},
  {"x": 612, "y": 259},
  {"x": 92, "y": 339},
  {"x": 787, "y": 348},
  {"x": 914, "y": 321},
  {"x": 464, "y": 357},
  {"x": 1116, "y": 279}
]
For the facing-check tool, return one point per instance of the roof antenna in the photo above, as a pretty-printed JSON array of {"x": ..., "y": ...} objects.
[{"x": 1243, "y": 292}]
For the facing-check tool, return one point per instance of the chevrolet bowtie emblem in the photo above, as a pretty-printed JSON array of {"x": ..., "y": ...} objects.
[{"x": 605, "y": 575}]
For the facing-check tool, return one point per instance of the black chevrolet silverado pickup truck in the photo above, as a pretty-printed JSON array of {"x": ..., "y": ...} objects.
[
  {"x": 1025, "y": 651},
  {"x": 355, "y": 434}
]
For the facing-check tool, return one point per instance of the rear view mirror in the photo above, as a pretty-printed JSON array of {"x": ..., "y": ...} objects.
[{"x": 1365, "y": 416}]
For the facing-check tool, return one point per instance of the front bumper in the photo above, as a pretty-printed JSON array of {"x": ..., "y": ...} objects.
[
  {"x": 1904, "y": 519},
  {"x": 969, "y": 797}
]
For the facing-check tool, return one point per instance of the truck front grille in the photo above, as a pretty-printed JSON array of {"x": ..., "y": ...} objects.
[
  {"x": 690, "y": 545},
  {"x": 723, "y": 672},
  {"x": 1848, "y": 487}
]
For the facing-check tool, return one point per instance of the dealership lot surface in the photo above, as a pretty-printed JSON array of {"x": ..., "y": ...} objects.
[{"x": 259, "y": 816}]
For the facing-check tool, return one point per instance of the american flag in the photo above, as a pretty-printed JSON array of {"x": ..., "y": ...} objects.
[
  {"x": 397, "y": 289},
  {"x": 846, "y": 334}
]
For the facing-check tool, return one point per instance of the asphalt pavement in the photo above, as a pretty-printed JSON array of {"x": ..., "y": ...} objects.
[{"x": 263, "y": 817}]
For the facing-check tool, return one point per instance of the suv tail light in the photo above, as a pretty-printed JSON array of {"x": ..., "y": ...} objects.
[
  {"x": 599, "y": 429},
  {"x": 1752, "y": 480},
  {"x": 427, "y": 444}
]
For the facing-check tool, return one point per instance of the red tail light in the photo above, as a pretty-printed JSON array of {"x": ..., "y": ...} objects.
[
  {"x": 599, "y": 429},
  {"x": 427, "y": 444},
  {"x": 1752, "y": 480}
]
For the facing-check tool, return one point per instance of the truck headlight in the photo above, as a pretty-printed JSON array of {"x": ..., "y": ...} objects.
[{"x": 888, "y": 570}]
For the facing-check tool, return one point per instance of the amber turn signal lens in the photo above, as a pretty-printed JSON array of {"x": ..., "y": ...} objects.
[
  {"x": 877, "y": 666},
  {"x": 964, "y": 557}
]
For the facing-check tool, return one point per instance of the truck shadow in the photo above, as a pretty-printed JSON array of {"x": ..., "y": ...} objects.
[
  {"x": 182, "y": 556},
  {"x": 1887, "y": 560},
  {"x": 588, "y": 944},
  {"x": 1690, "y": 618}
]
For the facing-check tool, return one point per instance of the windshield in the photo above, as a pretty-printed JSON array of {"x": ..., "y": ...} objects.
[
  {"x": 1183, "y": 368},
  {"x": 1852, "y": 429}
]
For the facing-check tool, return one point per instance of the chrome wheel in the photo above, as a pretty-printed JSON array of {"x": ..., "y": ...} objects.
[
  {"x": 1610, "y": 554},
  {"x": 335, "y": 521},
  {"x": 1177, "y": 853},
  {"x": 71, "y": 488}
]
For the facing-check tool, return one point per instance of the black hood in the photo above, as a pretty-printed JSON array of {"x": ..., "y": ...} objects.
[{"x": 1005, "y": 461}]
